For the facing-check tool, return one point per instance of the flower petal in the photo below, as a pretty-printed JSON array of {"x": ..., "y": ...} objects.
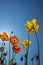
[
  {"x": 33, "y": 21},
  {"x": 0, "y": 35},
  {"x": 31, "y": 26},
  {"x": 28, "y": 25},
  {"x": 26, "y": 43},
  {"x": 4, "y": 36},
  {"x": 14, "y": 40},
  {"x": 16, "y": 48},
  {"x": 36, "y": 28}
]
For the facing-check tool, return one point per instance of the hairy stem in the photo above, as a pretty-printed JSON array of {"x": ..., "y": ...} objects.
[
  {"x": 27, "y": 50},
  {"x": 38, "y": 48}
]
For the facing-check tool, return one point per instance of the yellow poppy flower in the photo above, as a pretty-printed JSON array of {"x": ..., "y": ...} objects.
[
  {"x": 26, "y": 43},
  {"x": 31, "y": 26}
]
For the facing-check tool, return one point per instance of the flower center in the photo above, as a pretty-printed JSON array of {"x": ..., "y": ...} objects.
[{"x": 32, "y": 26}]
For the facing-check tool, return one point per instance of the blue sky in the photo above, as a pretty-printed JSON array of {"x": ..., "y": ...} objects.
[{"x": 13, "y": 16}]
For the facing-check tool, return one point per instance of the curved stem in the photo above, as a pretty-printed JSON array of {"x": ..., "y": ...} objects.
[
  {"x": 32, "y": 62},
  {"x": 37, "y": 43},
  {"x": 27, "y": 50},
  {"x": 26, "y": 56},
  {"x": 9, "y": 50},
  {"x": 26, "y": 60},
  {"x": 9, "y": 46},
  {"x": 36, "y": 62},
  {"x": 38, "y": 48},
  {"x": 2, "y": 51},
  {"x": 13, "y": 57}
]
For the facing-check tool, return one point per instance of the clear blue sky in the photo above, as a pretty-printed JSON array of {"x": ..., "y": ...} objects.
[{"x": 13, "y": 16}]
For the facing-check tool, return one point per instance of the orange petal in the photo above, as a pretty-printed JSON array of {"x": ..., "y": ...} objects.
[
  {"x": 16, "y": 48},
  {"x": 4, "y": 33},
  {"x": 14, "y": 40},
  {"x": 4, "y": 36},
  {"x": 0, "y": 35}
]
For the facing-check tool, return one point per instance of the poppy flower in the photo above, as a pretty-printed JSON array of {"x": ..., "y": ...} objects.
[
  {"x": 31, "y": 26},
  {"x": 0, "y": 35},
  {"x": 16, "y": 48},
  {"x": 4, "y": 36},
  {"x": 25, "y": 43},
  {"x": 14, "y": 40}
]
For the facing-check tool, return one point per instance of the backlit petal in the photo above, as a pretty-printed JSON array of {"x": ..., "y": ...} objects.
[
  {"x": 16, "y": 48},
  {"x": 14, "y": 40}
]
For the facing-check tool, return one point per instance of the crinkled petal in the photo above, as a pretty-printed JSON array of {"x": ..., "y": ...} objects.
[
  {"x": 33, "y": 21},
  {"x": 28, "y": 25},
  {"x": 36, "y": 28},
  {"x": 26, "y": 43},
  {"x": 14, "y": 40},
  {"x": 16, "y": 48}
]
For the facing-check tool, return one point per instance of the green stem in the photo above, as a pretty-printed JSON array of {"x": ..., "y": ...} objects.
[
  {"x": 13, "y": 57},
  {"x": 32, "y": 62},
  {"x": 3, "y": 50},
  {"x": 9, "y": 50},
  {"x": 27, "y": 53},
  {"x": 38, "y": 48},
  {"x": 37, "y": 44},
  {"x": 36, "y": 62},
  {"x": 9, "y": 46},
  {"x": 26, "y": 57}
]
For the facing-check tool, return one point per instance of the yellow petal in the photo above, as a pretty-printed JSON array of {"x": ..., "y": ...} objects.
[
  {"x": 29, "y": 42},
  {"x": 29, "y": 32},
  {"x": 22, "y": 43},
  {"x": 31, "y": 26},
  {"x": 36, "y": 28},
  {"x": 28, "y": 25},
  {"x": 33, "y": 21},
  {"x": 26, "y": 43},
  {"x": 24, "y": 46}
]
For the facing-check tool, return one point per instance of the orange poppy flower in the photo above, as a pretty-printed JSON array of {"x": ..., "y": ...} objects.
[
  {"x": 0, "y": 35},
  {"x": 4, "y": 36},
  {"x": 16, "y": 48},
  {"x": 14, "y": 40}
]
